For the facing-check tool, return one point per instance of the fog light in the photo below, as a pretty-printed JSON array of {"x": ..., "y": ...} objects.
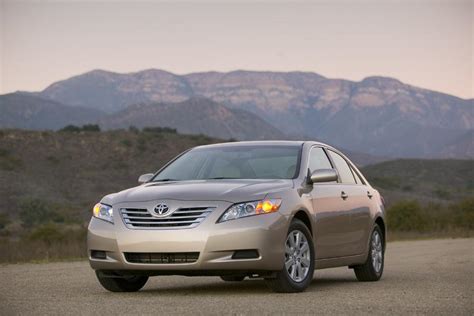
[
  {"x": 245, "y": 254},
  {"x": 98, "y": 254}
]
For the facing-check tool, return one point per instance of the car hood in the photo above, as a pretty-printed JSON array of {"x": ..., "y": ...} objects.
[{"x": 201, "y": 190}]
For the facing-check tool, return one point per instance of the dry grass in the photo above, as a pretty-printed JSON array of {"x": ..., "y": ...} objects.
[
  {"x": 23, "y": 251},
  {"x": 446, "y": 234}
]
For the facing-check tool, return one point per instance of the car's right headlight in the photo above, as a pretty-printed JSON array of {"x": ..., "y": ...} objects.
[
  {"x": 104, "y": 212},
  {"x": 246, "y": 209}
]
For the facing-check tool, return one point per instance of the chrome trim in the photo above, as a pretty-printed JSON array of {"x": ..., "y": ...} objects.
[{"x": 181, "y": 218}]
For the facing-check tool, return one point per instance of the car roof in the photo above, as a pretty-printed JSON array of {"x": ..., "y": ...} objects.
[{"x": 263, "y": 143}]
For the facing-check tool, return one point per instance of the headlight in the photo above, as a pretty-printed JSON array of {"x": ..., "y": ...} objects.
[
  {"x": 103, "y": 211},
  {"x": 250, "y": 208}
]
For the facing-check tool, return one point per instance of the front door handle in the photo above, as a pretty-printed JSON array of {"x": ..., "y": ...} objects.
[
  {"x": 370, "y": 195},
  {"x": 344, "y": 195}
]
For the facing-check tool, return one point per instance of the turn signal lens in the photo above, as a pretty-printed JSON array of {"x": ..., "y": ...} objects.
[
  {"x": 246, "y": 209},
  {"x": 268, "y": 206}
]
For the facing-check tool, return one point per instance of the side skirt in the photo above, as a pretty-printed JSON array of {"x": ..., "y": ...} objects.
[{"x": 340, "y": 261}]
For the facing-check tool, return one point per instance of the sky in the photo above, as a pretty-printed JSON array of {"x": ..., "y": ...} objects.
[{"x": 426, "y": 43}]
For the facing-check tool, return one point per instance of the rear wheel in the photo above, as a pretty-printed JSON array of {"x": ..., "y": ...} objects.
[
  {"x": 121, "y": 284},
  {"x": 298, "y": 269},
  {"x": 372, "y": 269},
  {"x": 233, "y": 278}
]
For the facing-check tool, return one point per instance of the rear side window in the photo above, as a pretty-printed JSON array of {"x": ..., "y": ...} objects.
[
  {"x": 343, "y": 168},
  {"x": 318, "y": 159},
  {"x": 358, "y": 178}
]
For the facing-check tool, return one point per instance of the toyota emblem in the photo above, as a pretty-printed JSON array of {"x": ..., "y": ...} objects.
[{"x": 161, "y": 209}]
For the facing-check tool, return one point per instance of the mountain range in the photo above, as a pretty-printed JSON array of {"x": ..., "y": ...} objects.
[
  {"x": 194, "y": 116},
  {"x": 378, "y": 115},
  {"x": 26, "y": 111}
]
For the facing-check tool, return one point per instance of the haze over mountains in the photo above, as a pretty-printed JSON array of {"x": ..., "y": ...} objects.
[
  {"x": 19, "y": 110},
  {"x": 378, "y": 115},
  {"x": 195, "y": 116}
]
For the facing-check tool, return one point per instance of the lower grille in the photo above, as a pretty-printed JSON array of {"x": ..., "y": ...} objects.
[
  {"x": 161, "y": 257},
  {"x": 188, "y": 217}
]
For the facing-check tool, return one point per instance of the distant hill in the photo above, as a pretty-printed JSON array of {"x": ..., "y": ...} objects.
[
  {"x": 431, "y": 180},
  {"x": 460, "y": 147},
  {"x": 378, "y": 115},
  {"x": 18, "y": 110},
  {"x": 73, "y": 170},
  {"x": 195, "y": 116}
]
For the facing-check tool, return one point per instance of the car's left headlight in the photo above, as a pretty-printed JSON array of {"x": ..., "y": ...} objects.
[
  {"x": 104, "y": 212},
  {"x": 246, "y": 209}
]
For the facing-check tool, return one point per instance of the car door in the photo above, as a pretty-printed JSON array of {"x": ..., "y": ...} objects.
[
  {"x": 332, "y": 221},
  {"x": 354, "y": 203}
]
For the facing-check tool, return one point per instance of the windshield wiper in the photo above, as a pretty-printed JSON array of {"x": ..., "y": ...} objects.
[
  {"x": 220, "y": 178},
  {"x": 165, "y": 180}
]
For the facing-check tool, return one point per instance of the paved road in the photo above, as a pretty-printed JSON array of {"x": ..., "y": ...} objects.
[{"x": 421, "y": 277}]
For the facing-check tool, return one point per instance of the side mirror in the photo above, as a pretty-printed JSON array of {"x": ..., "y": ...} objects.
[
  {"x": 324, "y": 175},
  {"x": 145, "y": 177}
]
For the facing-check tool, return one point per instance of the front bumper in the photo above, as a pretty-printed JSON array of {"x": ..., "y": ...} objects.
[{"x": 215, "y": 242}]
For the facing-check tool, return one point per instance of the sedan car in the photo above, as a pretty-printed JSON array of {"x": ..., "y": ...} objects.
[{"x": 275, "y": 210}]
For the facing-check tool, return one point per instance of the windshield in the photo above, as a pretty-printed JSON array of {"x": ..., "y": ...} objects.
[{"x": 234, "y": 162}]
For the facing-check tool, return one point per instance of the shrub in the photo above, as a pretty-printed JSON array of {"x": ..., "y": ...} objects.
[
  {"x": 4, "y": 220},
  {"x": 141, "y": 143},
  {"x": 126, "y": 142},
  {"x": 91, "y": 128},
  {"x": 133, "y": 129},
  {"x": 9, "y": 162},
  {"x": 158, "y": 129},
  {"x": 70, "y": 128},
  {"x": 464, "y": 213},
  {"x": 48, "y": 234},
  {"x": 36, "y": 211},
  {"x": 406, "y": 216},
  {"x": 442, "y": 193},
  {"x": 85, "y": 128},
  {"x": 201, "y": 139}
]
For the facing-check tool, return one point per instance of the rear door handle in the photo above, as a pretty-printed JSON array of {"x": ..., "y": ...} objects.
[
  {"x": 344, "y": 195},
  {"x": 370, "y": 195}
]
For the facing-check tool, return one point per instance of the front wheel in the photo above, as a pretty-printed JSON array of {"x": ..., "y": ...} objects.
[
  {"x": 298, "y": 269},
  {"x": 372, "y": 269},
  {"x": 121, "y": 284}
]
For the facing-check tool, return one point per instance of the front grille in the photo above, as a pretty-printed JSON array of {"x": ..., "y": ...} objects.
[
  {"x": 189, "y": 217},
  {"x": 161, "y": 257}
]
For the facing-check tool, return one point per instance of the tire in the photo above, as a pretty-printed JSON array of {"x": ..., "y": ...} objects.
[
  {"x": 372, "y": 269},
  {"x": 232, "y": 278},
  {"x": 121, "y": 284},
  {"x": 289, "y": 278}
]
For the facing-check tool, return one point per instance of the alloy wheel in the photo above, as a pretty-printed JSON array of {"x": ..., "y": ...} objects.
[
  {"x": 297, "y": 256},
  {"x": 377, "y": 251}
]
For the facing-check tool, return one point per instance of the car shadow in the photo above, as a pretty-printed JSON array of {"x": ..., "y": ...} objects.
[{"x": 252, "y": 286}]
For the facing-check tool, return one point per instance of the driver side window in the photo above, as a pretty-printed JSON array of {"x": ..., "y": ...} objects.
[{"x": 318, "y": 159}]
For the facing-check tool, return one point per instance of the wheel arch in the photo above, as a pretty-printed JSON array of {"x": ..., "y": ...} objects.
[
  {"x": 303, "y": 216},
  {"x": 381, "y": 223}
]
